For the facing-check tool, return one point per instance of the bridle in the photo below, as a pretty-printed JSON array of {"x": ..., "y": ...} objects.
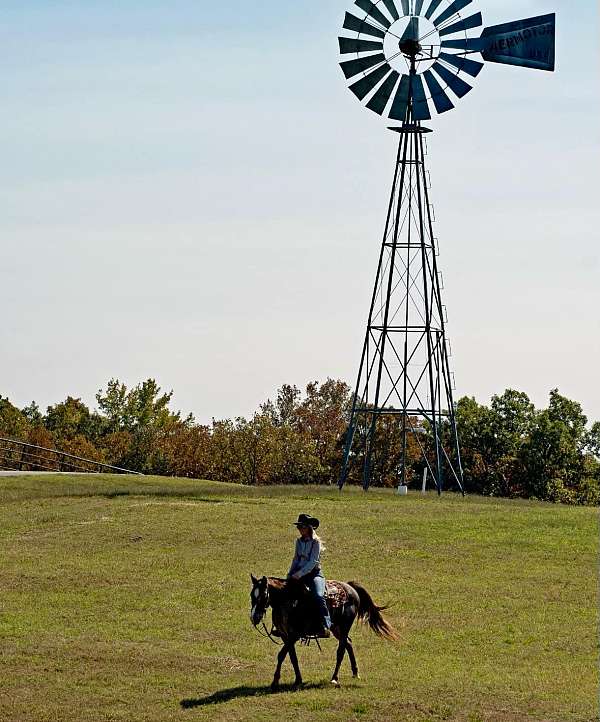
[{"x": 266, "y": 633}]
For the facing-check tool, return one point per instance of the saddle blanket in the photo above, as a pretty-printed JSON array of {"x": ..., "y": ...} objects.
[{"x": 336, "y": 595}]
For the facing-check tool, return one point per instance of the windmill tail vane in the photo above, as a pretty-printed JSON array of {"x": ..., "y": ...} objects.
[{"x": 405, "y": 59}]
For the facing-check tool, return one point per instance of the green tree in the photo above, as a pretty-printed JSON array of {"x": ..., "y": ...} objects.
[
  {"x": 14, "y": 424},
  {"x": 475, "y": 431},
  {"x": 492, "y": 440},
  {"x": 143, "y": 407},
  {"x": 510, "y": 421},
  {"x": 287, "y": 406},
  {"x": 138, "y": 425},
  {"x": 592, "y": 440},
  {"x": 554, "y": 453},
  {"x": 223, "y": 465},
  {"x": 71, "y": 418},
  {"x": 254, "y": 446},
  {"x": 33, "y": 414},
  {"x": 293, "y": 459},
  {"x": 112, "y": 404}
]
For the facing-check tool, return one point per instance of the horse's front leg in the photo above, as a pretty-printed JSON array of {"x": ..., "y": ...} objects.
[
  {"x": 280, "y": 658},
  {"x": 294, "y": 661}
]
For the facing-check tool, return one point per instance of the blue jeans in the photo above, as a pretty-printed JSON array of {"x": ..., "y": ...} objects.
[{"x": 317, "y": 587}]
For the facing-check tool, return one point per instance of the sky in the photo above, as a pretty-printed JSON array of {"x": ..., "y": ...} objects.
[{"x": 189, "y": 192}]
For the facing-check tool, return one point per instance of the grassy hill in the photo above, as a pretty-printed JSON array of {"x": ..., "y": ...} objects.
[{"x": 127, "y": 599}]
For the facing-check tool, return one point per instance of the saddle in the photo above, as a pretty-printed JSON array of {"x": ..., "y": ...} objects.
[{"x": 335, "y": 593}]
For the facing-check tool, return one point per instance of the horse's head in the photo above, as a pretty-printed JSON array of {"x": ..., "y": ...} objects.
[{"x": 259, "y": 599}]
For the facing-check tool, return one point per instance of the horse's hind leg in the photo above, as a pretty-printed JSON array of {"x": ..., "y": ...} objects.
[
  {"x": 352, "y": 658},
  {"x": 295, "y": 665},
  {"x": 340, "y": 656},
  {"x": 280, "y": 658}
]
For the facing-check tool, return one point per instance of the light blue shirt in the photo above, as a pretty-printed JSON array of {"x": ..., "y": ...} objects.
[{"x": 306, "y": 558}]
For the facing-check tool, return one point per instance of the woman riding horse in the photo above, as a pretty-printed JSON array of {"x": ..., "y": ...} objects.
[
  {"x": 340, "y": 604},
  {"x": 306, "y": 568}
]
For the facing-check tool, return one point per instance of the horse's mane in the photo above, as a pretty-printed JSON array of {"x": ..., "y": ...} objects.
[
  {"x": 279, "y": 591},
  {"x": 277, "y": 583}
]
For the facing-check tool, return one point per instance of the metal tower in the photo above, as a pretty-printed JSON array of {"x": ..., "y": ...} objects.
[{"x": 404, "y": 371}]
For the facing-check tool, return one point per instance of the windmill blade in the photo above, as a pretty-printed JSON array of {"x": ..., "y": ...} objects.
[
  {"x": 471, "y": 67},
  {"x": 392, "y": 9},
  {"x": 468, "y": 44},
  {"x": 351, "y": 22},
  {"x": 419, "y": 6},
  {"x": 405, "y": 7},
  {"x": 412, "y": 30},
  {"x": 359, "y": 65},
  {"x": 457, "y": 85},
  {"x": 473, "y": 21},
  {"x": 353, "y": 45},
  {"x": 400, "y": 103},
  {"x": 384, "y": 93},
  {"x": 373, "y": 11},
  {"x": 365, "y": 85},
  {"x": 526, "y": 43},
  {"x": 420, "y": 107},
  {"x": 432, "y": 8},
  {"x": 441, "y": 101},
  {"x": 454, "y": 8}
]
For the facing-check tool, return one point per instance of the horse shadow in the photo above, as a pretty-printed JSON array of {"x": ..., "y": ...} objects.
[{"x": 227, "y": 695}]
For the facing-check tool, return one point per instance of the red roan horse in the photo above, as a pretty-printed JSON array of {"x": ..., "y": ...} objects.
[{"x": 293, "y": 612}]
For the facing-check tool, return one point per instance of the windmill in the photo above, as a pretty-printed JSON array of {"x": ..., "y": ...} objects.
[{"x": 406, "y": 59}]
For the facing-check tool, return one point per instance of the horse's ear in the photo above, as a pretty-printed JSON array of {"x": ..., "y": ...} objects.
[
  {"x": 264, "y": 581},
  {"x": 254, "y": 579}
]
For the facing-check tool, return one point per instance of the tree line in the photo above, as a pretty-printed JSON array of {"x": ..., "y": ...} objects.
[{"x": 509, "y": 448}]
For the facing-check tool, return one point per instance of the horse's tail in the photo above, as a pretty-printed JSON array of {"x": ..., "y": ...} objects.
[{"x": 369, "y": 612}]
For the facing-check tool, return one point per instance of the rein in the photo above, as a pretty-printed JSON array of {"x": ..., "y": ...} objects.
[
  {"x": 267, "y": 634},
  {"x": 303, "y": 640}
]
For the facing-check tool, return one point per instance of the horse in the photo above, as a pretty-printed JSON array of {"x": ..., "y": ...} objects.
[{"x": 293, "y": 613}]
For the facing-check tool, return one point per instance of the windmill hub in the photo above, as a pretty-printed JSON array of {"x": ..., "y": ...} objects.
[
  {"x": 410, "y": 47},
  {"x": 411, "y": 38}
]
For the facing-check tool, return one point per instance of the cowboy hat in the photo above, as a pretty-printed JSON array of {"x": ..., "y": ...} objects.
[{"x": 307, "y": 520}]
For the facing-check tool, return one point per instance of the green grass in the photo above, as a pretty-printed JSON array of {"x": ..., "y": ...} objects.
[{"x": 126, "y": 598}]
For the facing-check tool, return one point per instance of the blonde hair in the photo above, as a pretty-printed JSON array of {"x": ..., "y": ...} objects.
[{"x": 316, "y": 537}]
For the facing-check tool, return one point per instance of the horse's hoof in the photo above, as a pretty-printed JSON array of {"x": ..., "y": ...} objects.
[
  {"x": 335, "y": 683},
  {"x": 356, "y": 676},
  {"x": 298, "y": 683},
  {"x": 274, "y": 686}
]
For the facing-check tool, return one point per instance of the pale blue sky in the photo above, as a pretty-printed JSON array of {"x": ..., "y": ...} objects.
[{"x": 188, "y": 191}]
